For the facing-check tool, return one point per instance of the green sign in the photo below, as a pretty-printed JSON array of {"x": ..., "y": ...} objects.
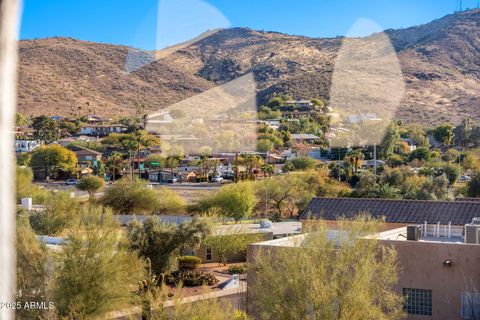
[{"x": 155, "y": 164}]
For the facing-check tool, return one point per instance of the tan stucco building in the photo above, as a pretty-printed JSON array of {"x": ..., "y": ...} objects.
[{"x": 439, "y": 274}]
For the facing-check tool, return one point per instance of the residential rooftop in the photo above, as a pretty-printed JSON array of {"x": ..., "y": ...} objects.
[
  {"x": 443, "y": 235},
  {"x": 394, "y": 211}
]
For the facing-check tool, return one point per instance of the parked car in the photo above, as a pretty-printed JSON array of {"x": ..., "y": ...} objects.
[
  {"x": 464, "y": 178},
  {"x": 228, "y": 175},
  {"x": 217, "y": 179},
  {"x": 173, "y": 180},
  {"x": 71, "y": 182}
]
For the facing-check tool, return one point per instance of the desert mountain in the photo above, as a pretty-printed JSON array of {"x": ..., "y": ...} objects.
[{"x": 440, "y": 62}]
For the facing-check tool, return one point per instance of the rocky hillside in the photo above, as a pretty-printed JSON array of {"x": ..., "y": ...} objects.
[{"x": 440, "y": 62}]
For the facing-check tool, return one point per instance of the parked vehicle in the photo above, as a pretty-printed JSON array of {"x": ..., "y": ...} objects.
[
  {"x": 465, "y": 178},
  {"x": 71, "y": 182},
  {"x": 173, "y": 180},
  {"x": 217, "y": 179}
]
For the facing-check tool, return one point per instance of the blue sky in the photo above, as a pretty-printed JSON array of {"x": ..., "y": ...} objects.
[{"x": 154, "y": 24}]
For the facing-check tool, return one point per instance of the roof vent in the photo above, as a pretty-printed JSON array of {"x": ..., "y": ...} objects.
[
  {"x": 413, "y": 232},
  {"x": 476, "y": 221}
]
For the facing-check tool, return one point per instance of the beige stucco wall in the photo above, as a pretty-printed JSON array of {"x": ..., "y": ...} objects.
[{"x": 421, "y": 267}]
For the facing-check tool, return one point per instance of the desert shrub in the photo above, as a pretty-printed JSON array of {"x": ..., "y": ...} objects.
[
  {"x": 188, "y": 262},
  {"x": 240, "y": 315},
  {"x": 191, "y": 278},
  {"x": 238, "y": 269},
  {"x": 59, "y": 214},
  {"x": 131, "y": 197}
]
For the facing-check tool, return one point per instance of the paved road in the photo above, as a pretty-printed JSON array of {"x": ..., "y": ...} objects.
[
  {"x": 190, "y": 186},
  {"x": 61, "y": 186}
]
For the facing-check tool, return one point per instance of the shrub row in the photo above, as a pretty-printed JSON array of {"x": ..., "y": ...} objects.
[
  {"x": 191, "y": 278},
  {"x": 188, "y": 262}
]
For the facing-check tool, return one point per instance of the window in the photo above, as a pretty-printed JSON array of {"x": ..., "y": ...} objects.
[
  {"x": 417, "y": 301},
  {"x": 209, "y": 254},
  {"x": 470, "y": 305}
]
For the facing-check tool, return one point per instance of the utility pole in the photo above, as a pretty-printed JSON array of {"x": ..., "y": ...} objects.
[
  {"x": 236, "y": 167},
  {"x": 339, "y": 179},
  {"x": 375, "y": 160}
]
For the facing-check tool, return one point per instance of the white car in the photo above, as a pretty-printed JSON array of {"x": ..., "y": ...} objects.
[
  {"x": 217, "y": 179},
  {"x": 465, "y": 178}
]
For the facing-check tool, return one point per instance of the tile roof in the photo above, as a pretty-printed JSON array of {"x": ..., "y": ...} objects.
[
  {"x": 394, "y": 211},
  {"x": 79, "y": 150},
  {"x": 304, "y": 136}
]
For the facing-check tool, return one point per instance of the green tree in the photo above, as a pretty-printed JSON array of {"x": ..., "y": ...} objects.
[
  {"x": 96, "y": 270},
  {"x": 386, "y": 191},
  {"x": 463, "y": 132},
  {"x": 169, "y": 202},
  {"x": 421, "y": 154},
  {"x": 342, "y": 278},
  {"x": 162, "y": 243},
  {"x": 31, "y": 270},
  {"x": 444, "y": 134},
  {"x": 115, "y": 165},
  {"x": 434, "y": 188},
  {"x": 25, "y": 188},
  {"x": 366, "y": 187},
  {"x": 304, "y": 163},
  {"x": 275, "y": 102},
  {"x": 288, "y": 167},
  {"x": 264, "y": 145},
  {"x": 234, "y": 201},
  {"x": 131, "y": 143},
  {"x": 228, "y": 240},
  {"x": 51, "y": 160},
  {"x": 390, "y": 140},
  {"x": 45, "y": 129},
  {"x": 473, "y": 188},
  {"x": 20, "y": 119},
  {"x": 91, "y": 184},
  {"x": 155, "y": 161},
  {"x": 131, "y": 197},
  {"x": 287, "y": 195},
  {"x": 452, "y": 173},
  {"x": 59, "y": 214}
]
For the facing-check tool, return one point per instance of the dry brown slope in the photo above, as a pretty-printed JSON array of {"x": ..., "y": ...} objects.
[{"x": 440, "y": 63}]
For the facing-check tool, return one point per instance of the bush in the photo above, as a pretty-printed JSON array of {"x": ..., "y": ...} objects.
[
  {"x": 91, "y": 184},
  {"x": 188, "y": 262},
  {"x": 241, "y": 269},
  {"x": 131, "y": 197},
  {"x": 191, "y": 278},
  {"x": 240, "y": 315},
  {"x": 60, "y": 213}
]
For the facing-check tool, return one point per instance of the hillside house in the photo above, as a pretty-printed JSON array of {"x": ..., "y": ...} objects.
[
  {"x": 299, "y": 103},
  {"x": 305, "y": 138},
  {"x": 102, "y": 130},
  {"x": 26, "y": 145},
  {"x": 94, "y": 119},
  {"x": 84, "y": 154}
]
